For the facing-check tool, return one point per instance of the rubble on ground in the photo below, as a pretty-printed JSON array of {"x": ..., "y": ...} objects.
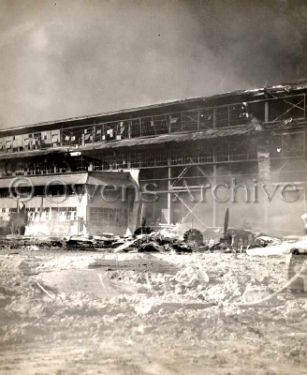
[
  {"x": 264, "y": 241},
  {"x": 155, "y": 303},
  {"x": 163, "y": 240},
  {"x": 278, "y": 248},
  {"x": 222, "y": 295}
]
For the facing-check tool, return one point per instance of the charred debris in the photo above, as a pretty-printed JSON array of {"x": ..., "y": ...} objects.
[{"x": 170, "y": 239}]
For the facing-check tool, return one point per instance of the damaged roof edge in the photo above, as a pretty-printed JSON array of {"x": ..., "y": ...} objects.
[
  {"x": 33, "y": 153},
  {"x": 145, "y": 141},
  {"x": 129, "y": 111},
  {"x": 74, "y": 178},
  {"x": 174, "y": 138},
  {"x": 134, "y": 142}
]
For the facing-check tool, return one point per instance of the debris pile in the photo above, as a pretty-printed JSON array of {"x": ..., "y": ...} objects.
[
  {"x": 155, "y": 242},
  {"x": 152, "y": 300},
  {"x": 30, "y": 243},
  {"x": 143, "y": 240},
  {"x": 165, "y": 240}
]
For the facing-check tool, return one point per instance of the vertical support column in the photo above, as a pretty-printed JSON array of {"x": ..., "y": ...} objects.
[
  {"x": 304, "y": 191},
  {"x": 266, "y": 111},
  {"x": 228, "y": 115},
  {"x": 213, "y": 200},
  {"x": 213, "y": 184},
  {"x": 305, "y": 135},
  {"x": 129, "y": 128},
  {"x": 152, "y": 124},
  {"x": 128, "y": 157},
  {"x": 214, "y": 118},
  {"x": 180, "y": 119},
  {"x": 168, "y": 123},
  {"x": 93, "y": 133},
  {"x": 266, "y": 212},
  {"x": 264, "y": 167},
  {"x": 169, "y": 195}
]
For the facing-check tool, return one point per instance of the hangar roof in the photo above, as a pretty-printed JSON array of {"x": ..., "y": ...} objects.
[{"x": 169, "y": 106}]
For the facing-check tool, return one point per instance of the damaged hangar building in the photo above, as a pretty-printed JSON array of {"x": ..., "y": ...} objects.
[{"x": 181, "y": 162}]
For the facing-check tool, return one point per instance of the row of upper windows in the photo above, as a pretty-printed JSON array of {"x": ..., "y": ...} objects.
[
  {"x": 44, "y": 209},
  {"x": 286, "y": 145},
  {"x": 189, "y": 120}
]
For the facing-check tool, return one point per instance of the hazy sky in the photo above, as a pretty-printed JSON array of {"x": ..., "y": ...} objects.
[{"x": 66, "y": 58}]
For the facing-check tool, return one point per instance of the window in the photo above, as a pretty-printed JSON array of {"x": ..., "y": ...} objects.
[
  {"x": 206, "y": 118},
  {"x": 175, "y": 122},
  {"x": 282, "y": 109},
  {"x": 189, "y": 120},
  {"x": 221, "y": 117},
  {"x": 101, "y": 216}
]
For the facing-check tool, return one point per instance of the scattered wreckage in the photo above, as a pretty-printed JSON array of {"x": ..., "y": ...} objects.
[
  {"x": 164, "y": 239},
  {"x": 168, "y": 239},
  {"x": 145, "y": 240},
  {"x": 154, "y": 241}
]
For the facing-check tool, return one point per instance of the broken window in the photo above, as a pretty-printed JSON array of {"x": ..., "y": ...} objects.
[
  {"x": 238, "y": 114},
  {"x": 147, "y": 126},
  {"x": 189, "y": 120},
  {"x": 98, "y": 133},
  {"x": 160, "y": 124},
  {"x": 256, "y": 110},
  {"x": 135, "y": 128},
  {"x": 282, "y": 109},
  {"x": 206, "y": 119},
  {"x": 175, "y": 122},
  {"x": 122, "y": 130},
  {"x": 109, "y": 131},
  {"x": 221, "y": 117},
  {"x": 87, "y": 135}
]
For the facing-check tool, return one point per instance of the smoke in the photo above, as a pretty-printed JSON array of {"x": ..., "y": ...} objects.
[{"x": 68, "y": 58}]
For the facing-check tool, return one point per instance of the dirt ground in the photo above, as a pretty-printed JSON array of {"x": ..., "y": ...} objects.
[{"x": 102, "y": 313}]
